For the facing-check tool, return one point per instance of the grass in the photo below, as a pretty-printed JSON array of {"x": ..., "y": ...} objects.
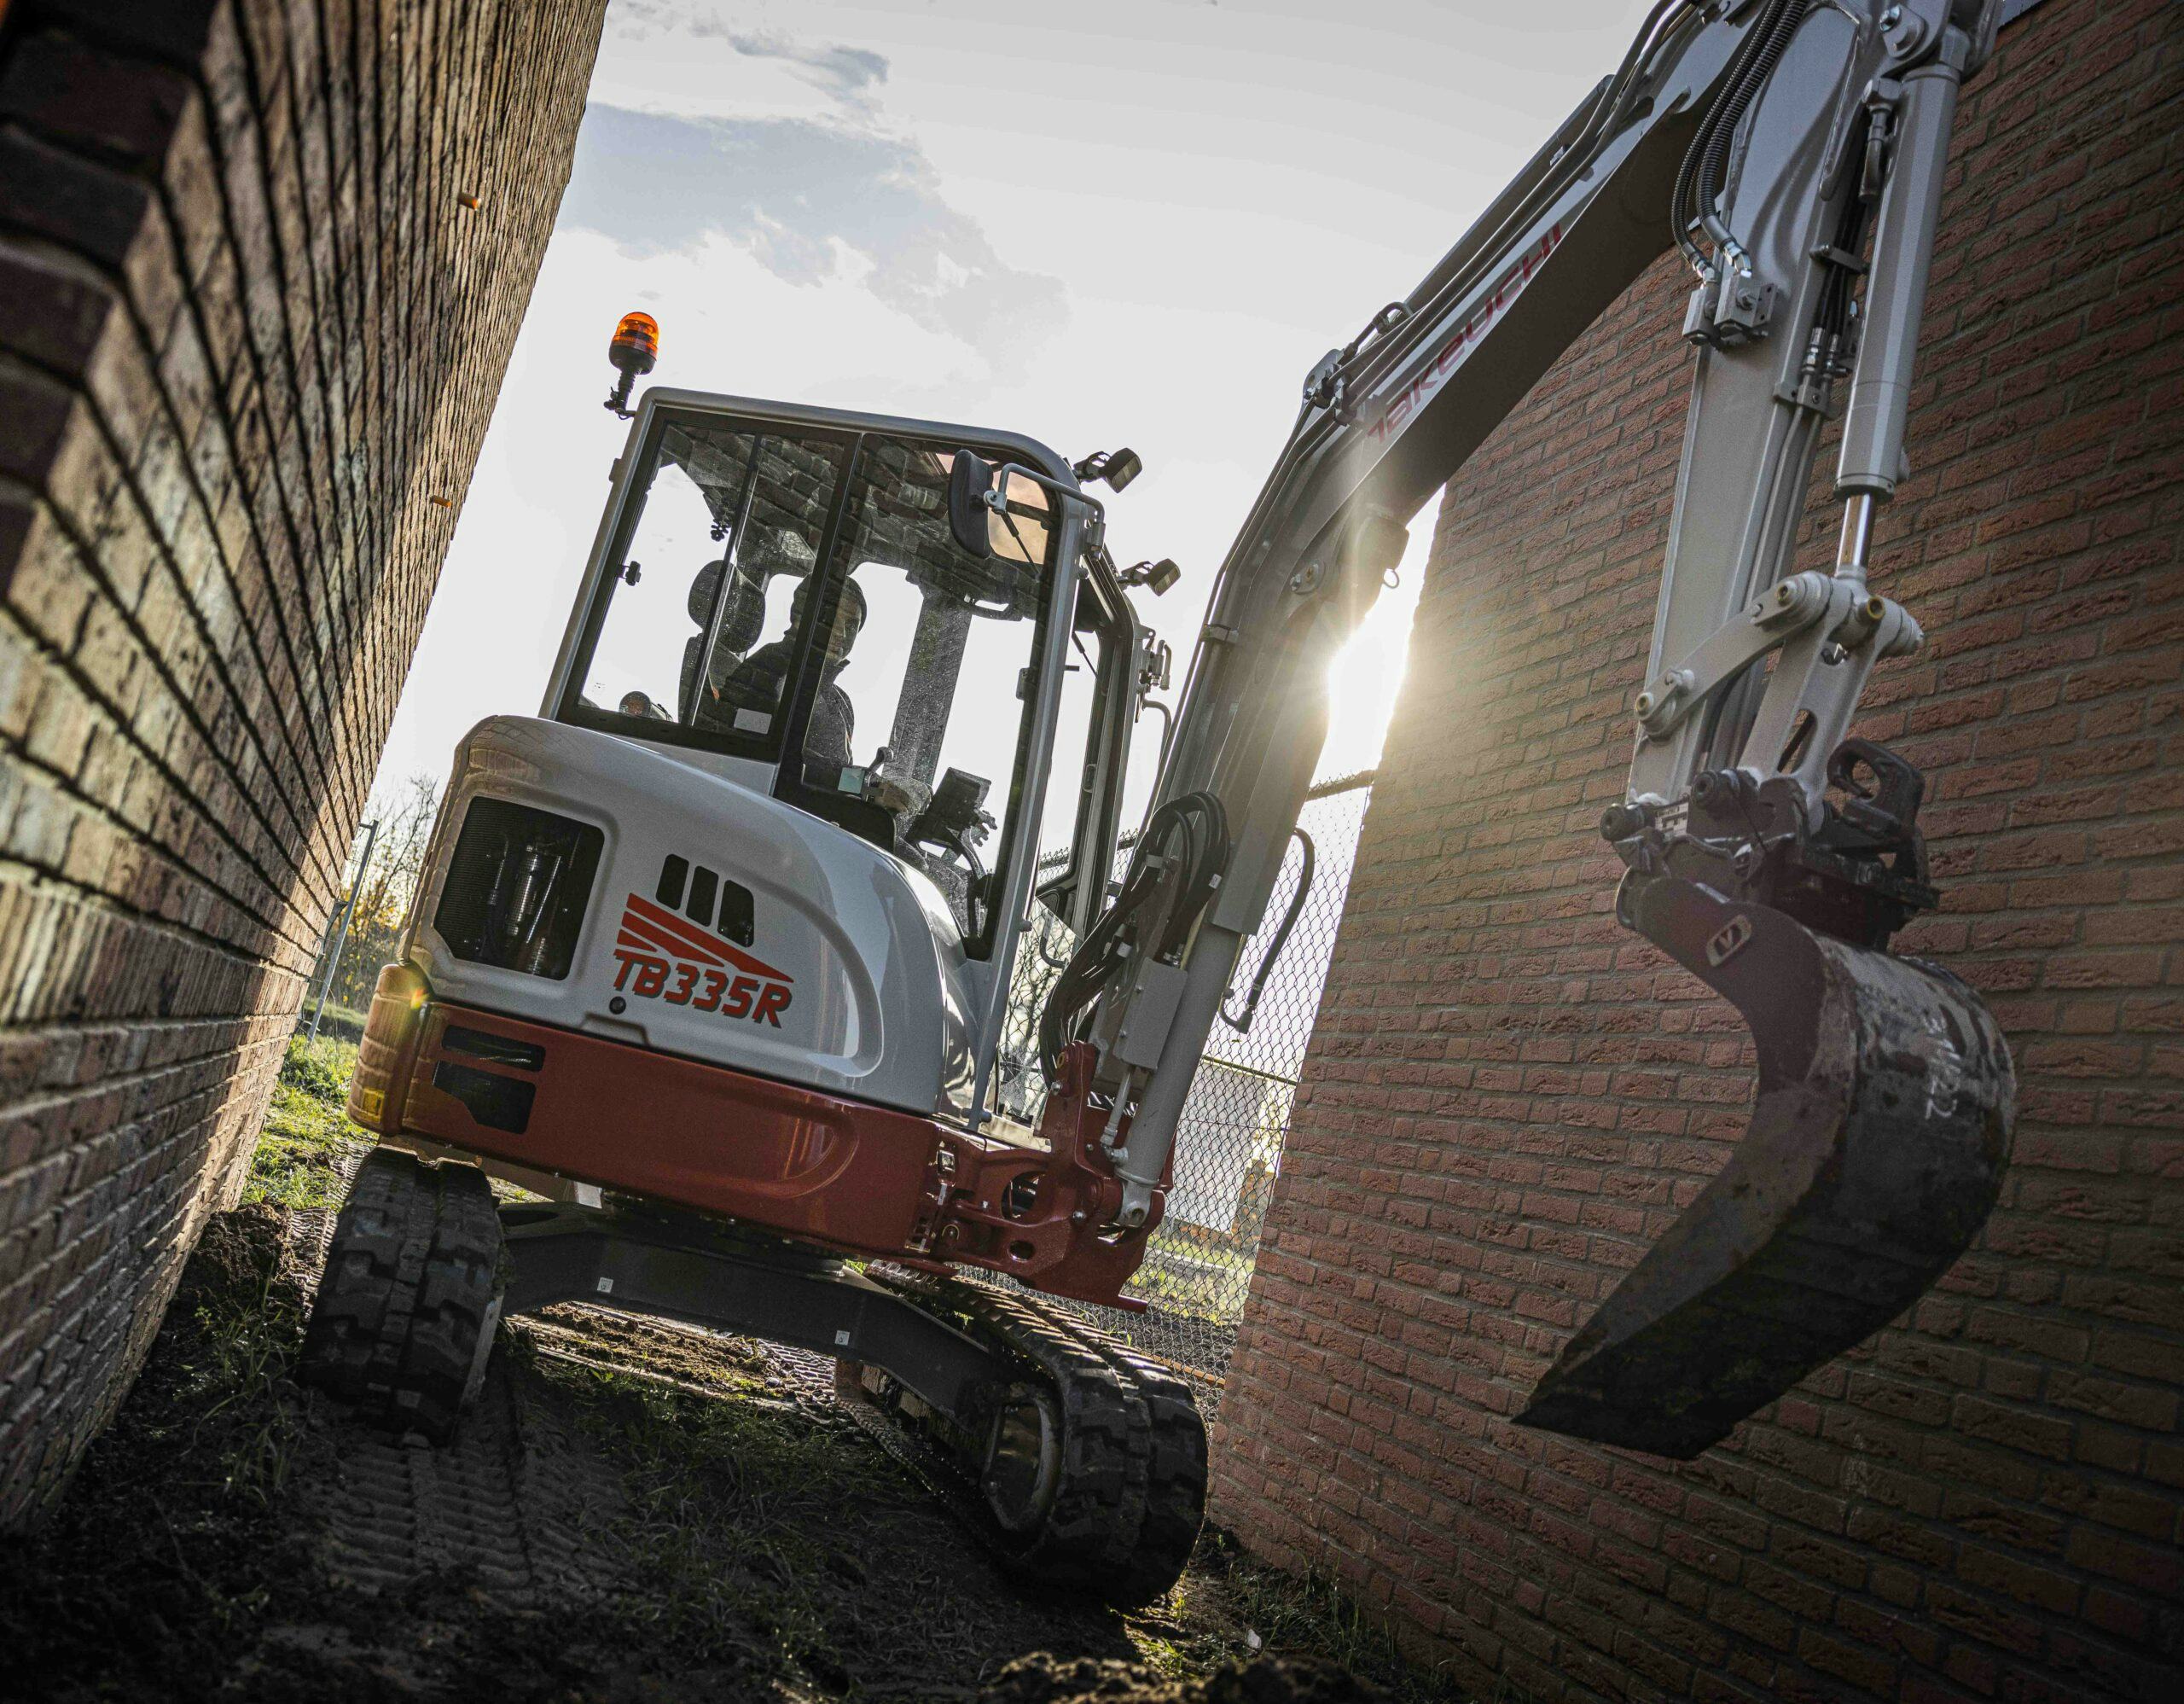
[
  {"x": 1201, "y": 1298},
  {"x": 296, "y": 1166},
  {"x": 735, "y": 1510},
  {"x": 338, "y": 1019},
  {"x": 1230, "y": 1606},
  {"x": 235, "y": 1383},
  {"x": 320, "y": 1068},
  {"x": 236, "y": 1387}
]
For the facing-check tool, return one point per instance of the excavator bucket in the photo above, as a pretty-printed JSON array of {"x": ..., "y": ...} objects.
[{"x": 1874, "y": 1153}]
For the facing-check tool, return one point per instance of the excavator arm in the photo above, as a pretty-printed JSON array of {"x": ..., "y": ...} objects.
[{"x": 1794, "y": 150}]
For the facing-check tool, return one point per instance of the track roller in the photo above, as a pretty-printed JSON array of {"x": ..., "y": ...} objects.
[{"x": 407, "y": 1308}]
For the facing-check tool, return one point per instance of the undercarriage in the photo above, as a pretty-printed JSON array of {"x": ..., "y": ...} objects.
[{"x": 1081, "y": 1463}]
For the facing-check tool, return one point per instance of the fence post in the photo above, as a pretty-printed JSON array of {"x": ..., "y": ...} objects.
[{"x": 341, "y": 941}]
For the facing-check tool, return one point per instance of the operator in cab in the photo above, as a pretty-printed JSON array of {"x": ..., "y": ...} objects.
[{"x": 756, "y": 683}]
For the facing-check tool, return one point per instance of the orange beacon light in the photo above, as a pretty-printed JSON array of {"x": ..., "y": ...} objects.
[{"x": 635, "y": 347}]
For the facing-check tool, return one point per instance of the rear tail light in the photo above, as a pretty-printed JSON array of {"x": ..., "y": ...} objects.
[
  {"x": 517, "y": 887},
  {"x": 385, "y": 1057}
]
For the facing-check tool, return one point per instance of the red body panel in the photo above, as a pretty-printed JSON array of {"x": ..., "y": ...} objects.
[
  {"x": 865, "y": 1179},
  {"x": 700, "y": 1136}
]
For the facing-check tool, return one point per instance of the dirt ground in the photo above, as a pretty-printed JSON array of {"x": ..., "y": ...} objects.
[{"x": 634, "y": 1512}]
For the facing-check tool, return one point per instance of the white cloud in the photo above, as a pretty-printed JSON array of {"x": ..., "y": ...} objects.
[
  {"x": 849, "y": 75},
  {"x": 789, "y": 191}
]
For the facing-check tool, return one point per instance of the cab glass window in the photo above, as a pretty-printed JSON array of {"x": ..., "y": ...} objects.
[
  {"x": 928, "y": 666},
  {"x": 779, "y": 585},
  {"x": 731, "y": 525}
]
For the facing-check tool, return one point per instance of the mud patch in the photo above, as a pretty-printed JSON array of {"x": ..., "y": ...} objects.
[
  {"x": 177, "y": 1540},
  {"x": 511, "y": 1507}
]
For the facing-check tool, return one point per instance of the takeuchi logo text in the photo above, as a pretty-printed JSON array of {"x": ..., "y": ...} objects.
[
  {"x": 1406, "y": 402},
  {"x": 659, "y": 956}
]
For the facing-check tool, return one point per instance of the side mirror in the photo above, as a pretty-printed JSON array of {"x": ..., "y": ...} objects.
[{"x": 969, "y": 479}]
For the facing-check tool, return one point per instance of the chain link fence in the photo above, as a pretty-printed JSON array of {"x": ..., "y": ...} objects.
[{"x": 1229, "y": 1143}]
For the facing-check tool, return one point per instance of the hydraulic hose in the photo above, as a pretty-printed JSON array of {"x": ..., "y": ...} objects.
[
  {"x": 1699, "y": 178},
  {"x": 1201, "y": 823},
  {"x": 1241, "y": 1023},
  {"x": 1780, "y": 27}
]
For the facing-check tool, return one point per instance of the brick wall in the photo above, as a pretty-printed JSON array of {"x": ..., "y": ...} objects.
[
  {"x": 249, "y": 340},
  {"x": 1508, "y": 1097}
]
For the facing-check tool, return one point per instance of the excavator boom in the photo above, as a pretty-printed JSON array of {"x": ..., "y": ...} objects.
[{"x": 1794, "y": 151}]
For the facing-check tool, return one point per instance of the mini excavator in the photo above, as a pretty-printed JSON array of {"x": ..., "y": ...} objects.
[{"x": 712, "y": 956}]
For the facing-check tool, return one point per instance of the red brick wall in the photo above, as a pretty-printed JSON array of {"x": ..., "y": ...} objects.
[
  {"x": 249, "y": 343},
  {"x": 1508, "y": 1097}
]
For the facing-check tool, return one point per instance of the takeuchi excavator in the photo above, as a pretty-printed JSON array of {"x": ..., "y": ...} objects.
[{"x": 711, "y": 957}]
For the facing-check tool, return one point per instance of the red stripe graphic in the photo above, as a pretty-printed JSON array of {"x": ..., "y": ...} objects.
[
  {"x": 676, "y": 929},
  {"x": 660, "y": 941}
]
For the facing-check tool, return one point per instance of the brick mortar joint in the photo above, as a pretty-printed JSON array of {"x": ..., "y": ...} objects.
[
  {"x": 75, "y": 385},
  {"x": 66, "y": 665}
]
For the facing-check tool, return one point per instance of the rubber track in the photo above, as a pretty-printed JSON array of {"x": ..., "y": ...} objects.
[
  {"x": 1176, "y": 1478},
  {"x": 940, "y": 1469},
  {"x": 1092, "y": 1530},
  {"x": 411, "y": 1292},
  {"x": 1135, "y": 1452},
  {"x": 373, "y": 1260},
  {"x": 507, "y": 1508},
  {"x": 420, "y": 1242},
  {"x": 457, "y": 1307}
]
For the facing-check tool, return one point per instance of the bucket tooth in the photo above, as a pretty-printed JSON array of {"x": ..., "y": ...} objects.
[{"x": 1874, "y": 1153}]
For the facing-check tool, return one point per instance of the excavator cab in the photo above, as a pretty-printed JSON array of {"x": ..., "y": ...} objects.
[
  {"x": 792, "y": 767},
  {"x": 886, "y": 687}
]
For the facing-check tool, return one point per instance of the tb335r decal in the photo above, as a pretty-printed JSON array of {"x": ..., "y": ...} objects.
[{"x": 665, "y": 950}]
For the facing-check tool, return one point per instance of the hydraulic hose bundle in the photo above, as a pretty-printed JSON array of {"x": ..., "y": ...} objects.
[
  {"x": 1194, "y": 827},
  {"x": 1704, "y": 174}
]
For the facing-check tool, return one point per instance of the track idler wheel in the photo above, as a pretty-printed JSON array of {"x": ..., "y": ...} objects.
[
  {"x": 1874, "y": 1153},
  {"x": 403, "y": 1321},
  {"x": 1023, "y": 1460}
]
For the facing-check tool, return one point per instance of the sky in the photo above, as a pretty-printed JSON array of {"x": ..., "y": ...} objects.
[{"x": 1139, "y": 223}]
